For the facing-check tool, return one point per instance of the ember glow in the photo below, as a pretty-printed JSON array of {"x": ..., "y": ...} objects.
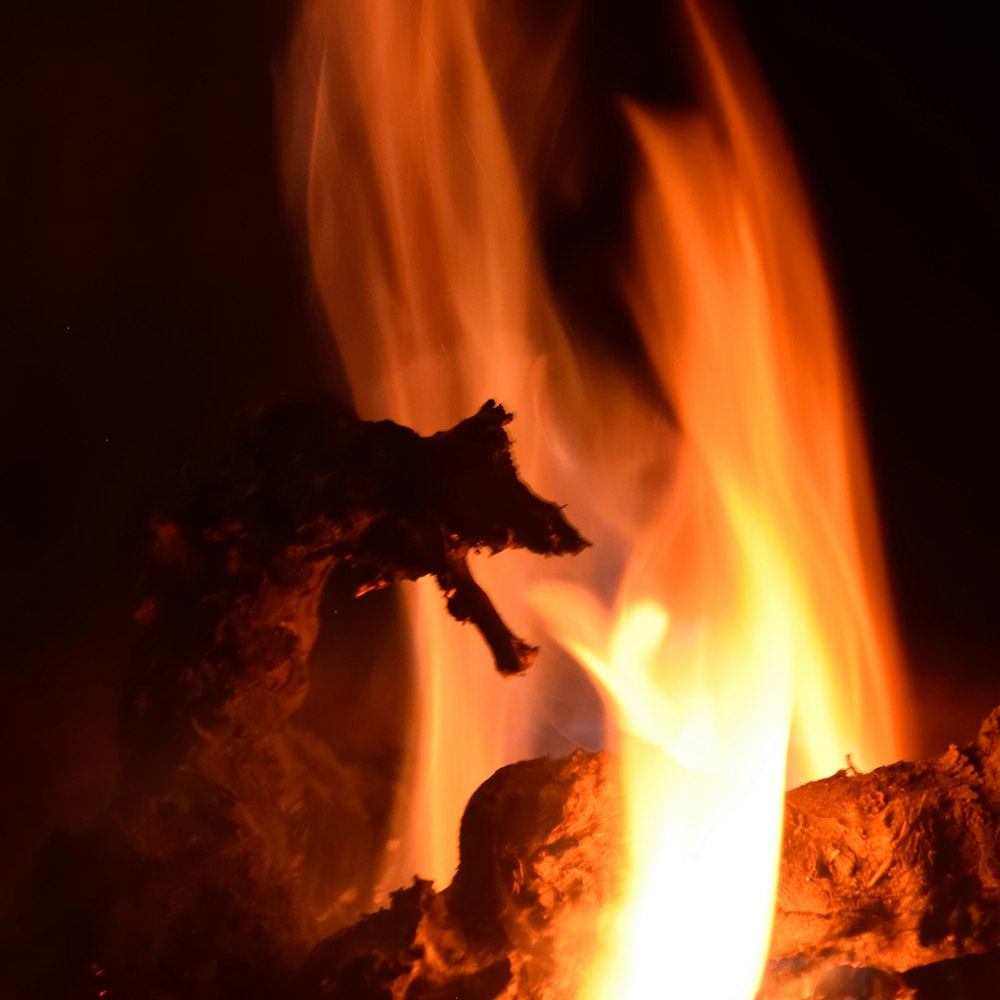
[{"x": 732, "y": 610}]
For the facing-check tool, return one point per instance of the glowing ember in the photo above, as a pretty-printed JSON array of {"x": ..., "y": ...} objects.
[{"x": 739, "y": 543}]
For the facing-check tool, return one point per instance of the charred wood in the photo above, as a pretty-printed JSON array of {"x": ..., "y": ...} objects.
[
  {"x": 540, "y": 861},
  {"x": 199, "y": 883},
  {"x": 898, "y": 869}
]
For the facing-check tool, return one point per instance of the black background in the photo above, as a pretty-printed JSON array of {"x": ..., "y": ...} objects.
[{"x": 152, "y": 287}]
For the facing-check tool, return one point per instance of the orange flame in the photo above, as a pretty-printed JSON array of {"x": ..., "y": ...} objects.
[
  {"x": 762, "y": 549},
  {"x": 751, "y": 608},
  {"x": 423, "y": 253}
]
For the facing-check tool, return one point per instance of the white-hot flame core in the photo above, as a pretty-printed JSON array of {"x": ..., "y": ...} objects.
[{"x": 734, "y": 597}]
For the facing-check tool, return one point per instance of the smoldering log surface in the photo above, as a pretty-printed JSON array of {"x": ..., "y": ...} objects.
[
  {"x": 236, "y": 837},
  {"x": 898, "y": 869},
  {"x": 540, "y": 861},
  {"x": 889, "y": 888}
]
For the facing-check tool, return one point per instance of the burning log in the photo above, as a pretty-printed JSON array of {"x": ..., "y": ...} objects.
[
  {"x": 540, "y": 861},
  {"x": 197, "y": 884},
  {"x": 898, "y": 869},
  {"x": 889, "y": 888},
  {"x": 889, "y": 884}
]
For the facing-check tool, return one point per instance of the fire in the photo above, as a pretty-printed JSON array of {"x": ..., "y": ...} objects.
[
  {"x": 761, "y": 549},
  {"x": 734, "y": 612},
  {"x": 421, "y": 243}
]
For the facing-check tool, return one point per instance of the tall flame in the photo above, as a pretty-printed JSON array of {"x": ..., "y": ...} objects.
[
  {"x": 739, "y": 545},
  {"x": 423, "y": 253}
]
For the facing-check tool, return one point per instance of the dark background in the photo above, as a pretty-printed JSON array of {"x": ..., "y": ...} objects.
[{"x": 152, "y": 288}]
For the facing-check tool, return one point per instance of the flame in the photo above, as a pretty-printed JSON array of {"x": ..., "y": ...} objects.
[
  {"x": 420, "y": 239},
  {"x": 733, "y": 611},
  {"x": 763, "y": 549}
]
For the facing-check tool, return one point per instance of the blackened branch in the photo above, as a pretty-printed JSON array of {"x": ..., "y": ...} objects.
[{"x": 468, "y": 602}]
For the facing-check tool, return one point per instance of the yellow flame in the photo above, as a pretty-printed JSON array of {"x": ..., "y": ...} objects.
[
  {"x": 762, "y": 549},
  {"x": 740, "y": 543}
]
